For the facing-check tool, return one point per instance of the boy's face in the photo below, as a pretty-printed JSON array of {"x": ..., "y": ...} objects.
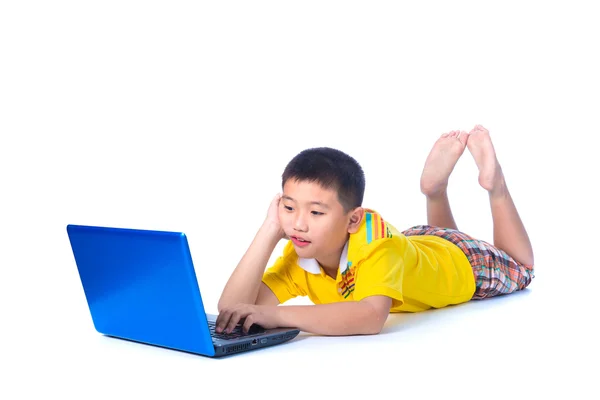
[{"x": 314, "y": 220}]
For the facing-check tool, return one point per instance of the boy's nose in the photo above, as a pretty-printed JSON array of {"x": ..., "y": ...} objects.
[{"x": 300, "y": 224}]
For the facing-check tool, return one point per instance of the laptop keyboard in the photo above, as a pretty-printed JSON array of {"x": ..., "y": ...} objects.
[{"x": 236, "y": 333}]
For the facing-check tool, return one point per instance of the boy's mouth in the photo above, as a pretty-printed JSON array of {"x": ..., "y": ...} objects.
[{"x": 299, "y": 241}]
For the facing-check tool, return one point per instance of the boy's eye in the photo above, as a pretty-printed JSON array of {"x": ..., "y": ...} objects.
[
  {"x": 288, "y": 208},
  {"x": 317, "y": 213}
]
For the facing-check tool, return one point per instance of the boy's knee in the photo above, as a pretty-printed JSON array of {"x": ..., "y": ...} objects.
[{"x": 527, "y": 276}]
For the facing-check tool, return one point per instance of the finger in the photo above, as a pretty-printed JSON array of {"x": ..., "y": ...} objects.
[
  {"x": 222, "y": 320},
  {"x": 233, "y": 321},
  {"x": 248, "y": 323}
]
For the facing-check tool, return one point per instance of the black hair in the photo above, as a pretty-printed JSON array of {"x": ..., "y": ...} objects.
[{"x": 332, "y": 169}]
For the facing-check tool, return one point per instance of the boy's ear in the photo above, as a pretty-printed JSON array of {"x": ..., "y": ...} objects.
[{"x": 356, "y": 217}]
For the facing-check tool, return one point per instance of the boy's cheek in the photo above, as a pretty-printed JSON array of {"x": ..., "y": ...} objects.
[{"x": 283, "y": 216}]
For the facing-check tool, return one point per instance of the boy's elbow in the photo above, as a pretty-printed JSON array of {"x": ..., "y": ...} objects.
[
  {"x": 377, "y": 312},
  {"x": 376, "y": 327},
  {"x": 372, "y": 325}
]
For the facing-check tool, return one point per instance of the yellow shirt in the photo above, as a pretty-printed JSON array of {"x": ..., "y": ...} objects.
[{"x": 417, "y": 272}]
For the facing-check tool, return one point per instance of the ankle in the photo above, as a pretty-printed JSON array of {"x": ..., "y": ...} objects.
[{"x": 499, "y": 191}]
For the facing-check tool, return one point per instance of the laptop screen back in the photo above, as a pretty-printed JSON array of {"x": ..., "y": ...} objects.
[{"x": 141, "y": 285}]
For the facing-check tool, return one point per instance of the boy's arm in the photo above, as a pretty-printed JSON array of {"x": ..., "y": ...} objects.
[
  {"x": 245, "y": 283},
  {"x": 266, "y": 296},
  {"x": 365, "y": 317}
]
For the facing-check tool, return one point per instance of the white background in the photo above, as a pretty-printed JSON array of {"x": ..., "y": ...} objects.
[{"x": 182, "y": 115}]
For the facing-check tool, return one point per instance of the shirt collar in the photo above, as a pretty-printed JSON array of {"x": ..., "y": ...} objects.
[{"x": 311, "y": 265}]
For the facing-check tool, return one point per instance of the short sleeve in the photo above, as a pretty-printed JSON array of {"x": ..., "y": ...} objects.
[
  {"x": 381, "y": 274},
  {"x": 280, "y": 279}
]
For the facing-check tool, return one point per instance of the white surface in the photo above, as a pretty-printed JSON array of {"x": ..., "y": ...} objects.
[{"x": 179, "y": 116}]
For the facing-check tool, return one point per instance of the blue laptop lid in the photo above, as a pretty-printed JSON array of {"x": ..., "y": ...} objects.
[{"x": 141, "y": 285}]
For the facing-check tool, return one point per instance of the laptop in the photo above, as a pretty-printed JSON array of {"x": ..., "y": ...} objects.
[{"x": 140, "y": 285}]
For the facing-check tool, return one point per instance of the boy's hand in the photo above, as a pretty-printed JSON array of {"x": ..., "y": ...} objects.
[
  {"x": 272, "y": 219},
  {"x": 265, "y": 316}
]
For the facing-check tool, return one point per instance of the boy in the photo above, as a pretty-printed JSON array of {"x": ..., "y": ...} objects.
[{"x": 355, "y": 266}]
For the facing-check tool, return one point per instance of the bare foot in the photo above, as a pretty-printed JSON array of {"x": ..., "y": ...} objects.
[
  {"x": 441, "y": 161},
  {"x": 481, "y": 147}
]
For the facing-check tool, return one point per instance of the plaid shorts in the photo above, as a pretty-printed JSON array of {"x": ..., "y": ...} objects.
[{"x": 495, "y": 272}]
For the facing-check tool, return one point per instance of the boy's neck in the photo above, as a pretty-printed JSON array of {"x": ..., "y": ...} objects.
[
  {"x": 331, "y": 262},
  {"x": 330, "y": 270}
]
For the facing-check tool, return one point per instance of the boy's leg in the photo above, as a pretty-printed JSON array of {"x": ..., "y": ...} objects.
[
  {"x": 509, "y": 233},
  {"x": 434, "y": 180}
]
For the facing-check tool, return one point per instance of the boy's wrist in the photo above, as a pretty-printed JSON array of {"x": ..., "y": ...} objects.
[
  {"x": 272, "y": 231},
  {"x": 282, "y": 316}
]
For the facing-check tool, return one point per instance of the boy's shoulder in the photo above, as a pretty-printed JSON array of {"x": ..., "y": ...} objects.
[
  {"x": 373, "y": 233},
  {"x": 373, "y": 227}
]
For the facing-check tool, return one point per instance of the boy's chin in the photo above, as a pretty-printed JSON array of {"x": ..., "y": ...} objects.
[{"x": 305, "y": 252}]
